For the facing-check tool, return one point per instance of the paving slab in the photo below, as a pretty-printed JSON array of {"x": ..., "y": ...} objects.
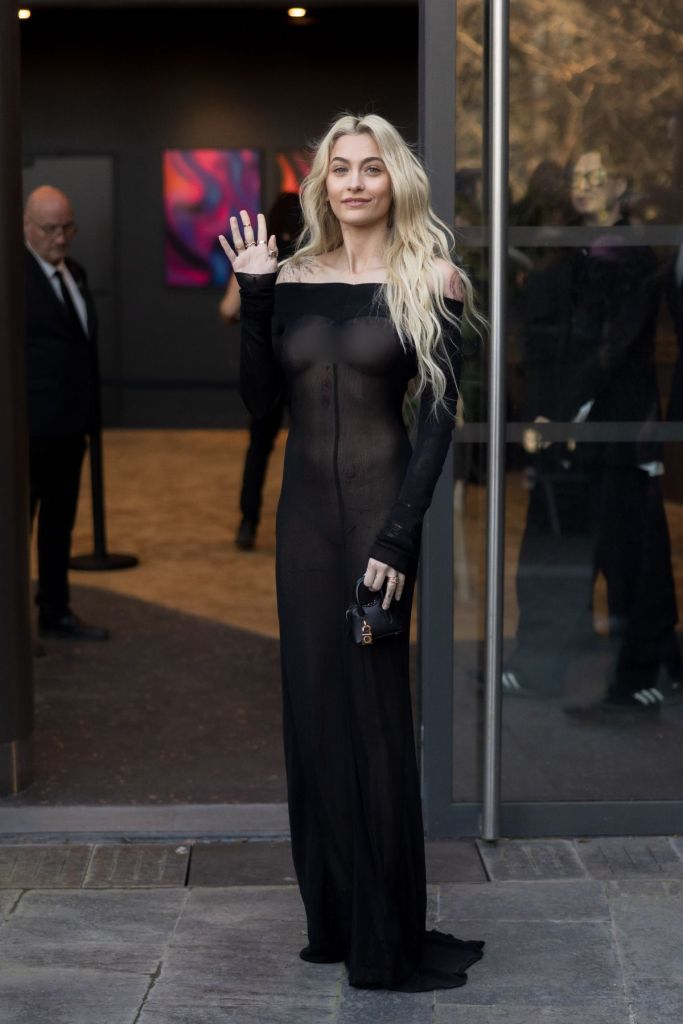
[
  {"x": 237, "y": 950},
  {"x": 540, "y": 963},
  {"x": 525, "y": 901},
  {"x": 650, "y": 888},
  {"x": 453, "y": 861},
  {"x": 256, "y": 1011},
  {"x": 44, "y": 995},
  {"x": 241, "y": 977},
  {"x": 433, "y": 901},
  {"x": 531, "y": 860},
  {"x": 242, "y": 863},
  {"x": 363, "y": 1006},
  {"x": 137, "y": 865},
  {"x": 649, "y": 933},
  {"x": 262, "y": 911},
  {"x": 8, "y": 900},
  {"x": 677, "y": 843},
  {"x": 657, "y": 1001},
  {"x": 121, "y": 930},
  {"x": 59, "y": 866},
  {"x": 528, "y": 1014},
  {"x": 628, "y": 857}
]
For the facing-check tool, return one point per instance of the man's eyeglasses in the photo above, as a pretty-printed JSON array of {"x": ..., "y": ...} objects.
[
  {"x": 593, "y": 178},
  {"x": 52, "y": 230}
]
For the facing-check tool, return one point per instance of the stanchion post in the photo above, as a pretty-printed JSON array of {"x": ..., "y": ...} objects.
[
  {"x": 16, "y": 683},
  {"x": 100, "y": 560}
]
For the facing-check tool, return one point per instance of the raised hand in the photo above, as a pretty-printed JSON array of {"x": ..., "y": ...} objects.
[{"x": 249, "y": 255}]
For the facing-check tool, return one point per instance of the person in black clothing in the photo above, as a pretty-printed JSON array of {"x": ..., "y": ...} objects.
[
  {"x": 589, "y": 328},
  {"x": 285, "y": 223},
  {"x": 673, "y": 287},
  {"x": 61, "y": 332},
  {"x": 369, "y": 303}
]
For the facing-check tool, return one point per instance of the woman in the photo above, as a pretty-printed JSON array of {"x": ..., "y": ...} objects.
[{"x": 368, "y": 303}]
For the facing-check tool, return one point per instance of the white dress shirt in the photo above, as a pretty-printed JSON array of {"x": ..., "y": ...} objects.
[{"x": 49, "y": 269}]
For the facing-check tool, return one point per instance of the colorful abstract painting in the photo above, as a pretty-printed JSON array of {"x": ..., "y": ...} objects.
[
  {"x": 294, "y": 165},
  {"x": 202, "y": 189}
]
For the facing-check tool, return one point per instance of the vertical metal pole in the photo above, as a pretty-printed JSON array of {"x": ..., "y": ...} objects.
[
  {"x": 437, "y": 146},
  {"x": 495, "y": 549},
  {"x": 16, "y": 688}
]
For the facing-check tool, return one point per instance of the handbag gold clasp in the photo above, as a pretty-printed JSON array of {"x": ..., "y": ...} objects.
[{"x": 366, "y": 632}]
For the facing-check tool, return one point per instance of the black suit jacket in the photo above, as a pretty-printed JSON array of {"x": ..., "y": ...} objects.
[
  {"x": 590, "y": 324},
  {"x": 674, "y": 296},
  {"x": 61, "y": 360}
]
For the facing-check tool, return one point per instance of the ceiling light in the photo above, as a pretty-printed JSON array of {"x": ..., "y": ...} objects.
[
  {"x": 24, "y": 14},
  {"x": 297, "y": 12}
]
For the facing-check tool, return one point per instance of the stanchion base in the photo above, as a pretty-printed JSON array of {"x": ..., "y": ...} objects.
[
  {"x": 102, "y": 563},
  {"x": 16, "y": 766}
]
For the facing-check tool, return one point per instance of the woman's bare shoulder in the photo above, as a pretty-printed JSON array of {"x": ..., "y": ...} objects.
[
  {"x": 299, "y": 270},
  {"x": 450, "y": 279}
]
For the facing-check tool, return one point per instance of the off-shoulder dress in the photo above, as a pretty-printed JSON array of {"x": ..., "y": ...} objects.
[{"x": 353, "y": 487}]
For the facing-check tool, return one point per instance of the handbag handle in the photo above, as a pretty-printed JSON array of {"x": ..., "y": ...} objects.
[{"x": 376, "y": 596}]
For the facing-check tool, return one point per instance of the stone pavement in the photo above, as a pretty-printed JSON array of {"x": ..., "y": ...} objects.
[{"x": 577, "y": 932}]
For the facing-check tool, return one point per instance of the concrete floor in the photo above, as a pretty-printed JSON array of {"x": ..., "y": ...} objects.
[{"x": 584, "y": 931}]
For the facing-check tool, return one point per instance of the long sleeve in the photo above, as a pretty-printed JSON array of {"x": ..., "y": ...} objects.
[
  {"x": 397, "y": 543},
  {"x": 261, "y": 381}
]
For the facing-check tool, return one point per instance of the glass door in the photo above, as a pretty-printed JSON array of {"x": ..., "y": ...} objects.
[{"x": 590, "y": 679}]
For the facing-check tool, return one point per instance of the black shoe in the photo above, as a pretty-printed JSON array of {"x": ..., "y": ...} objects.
[
  {"x": 649, "y": 698},
  {"x": 643, "y": 702},
  {"x": 513, "y": 685},
  {"x": 321, "y": 955},
  {"x": 246, "y": 535},
  {"x": 70, "y": 627}
]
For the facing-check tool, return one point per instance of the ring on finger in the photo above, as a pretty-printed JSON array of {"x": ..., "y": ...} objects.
[
  {"x": 272, "y": 253},
  {"x": 249, "y": 244}
]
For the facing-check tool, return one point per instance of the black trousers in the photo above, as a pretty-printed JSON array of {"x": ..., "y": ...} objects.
[
  {"x": 262, "y": 434},
  {"x": 55, "y": 474},
  {"x": 582, "y": 522}
]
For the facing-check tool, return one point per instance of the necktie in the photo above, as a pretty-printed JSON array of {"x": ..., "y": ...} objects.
[{"x": 69, "y": 304}]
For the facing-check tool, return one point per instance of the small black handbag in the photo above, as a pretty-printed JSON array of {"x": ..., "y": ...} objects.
[{"x": 368, "y": 621}]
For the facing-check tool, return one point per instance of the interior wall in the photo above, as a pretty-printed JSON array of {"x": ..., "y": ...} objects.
[{"x": 132, "y": 83}]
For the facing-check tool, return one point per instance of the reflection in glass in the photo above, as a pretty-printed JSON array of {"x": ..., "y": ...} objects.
[{"x": 594, "y": 579}]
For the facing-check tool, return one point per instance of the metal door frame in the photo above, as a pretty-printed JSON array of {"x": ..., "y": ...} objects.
[{"x": 490, "y": 818}]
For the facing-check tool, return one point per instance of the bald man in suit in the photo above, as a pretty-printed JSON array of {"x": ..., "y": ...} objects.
[{"x": 61, "y": 333}]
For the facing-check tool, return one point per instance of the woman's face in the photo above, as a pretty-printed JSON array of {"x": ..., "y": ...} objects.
[{"x": 358, "y": 183}]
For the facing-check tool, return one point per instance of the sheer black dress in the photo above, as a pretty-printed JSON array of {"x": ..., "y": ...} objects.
[{"x": 353, "y": 488}]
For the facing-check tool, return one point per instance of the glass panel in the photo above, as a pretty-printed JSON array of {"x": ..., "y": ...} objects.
[
  {"x": 594, "y": 521},
  {"x": 592, "y": 672}
]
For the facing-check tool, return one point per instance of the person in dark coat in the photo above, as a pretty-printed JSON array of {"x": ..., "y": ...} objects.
[
  {"x": 590, "y": 321},
  {"x": 673, "y": 286},
  {"x": 61, "y": 333}
]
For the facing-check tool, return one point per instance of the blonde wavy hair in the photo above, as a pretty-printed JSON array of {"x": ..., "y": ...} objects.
[{"x": 417, "y": 240}]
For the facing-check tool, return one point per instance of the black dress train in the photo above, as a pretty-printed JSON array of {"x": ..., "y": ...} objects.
[{"x": 353, "y": 488}]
